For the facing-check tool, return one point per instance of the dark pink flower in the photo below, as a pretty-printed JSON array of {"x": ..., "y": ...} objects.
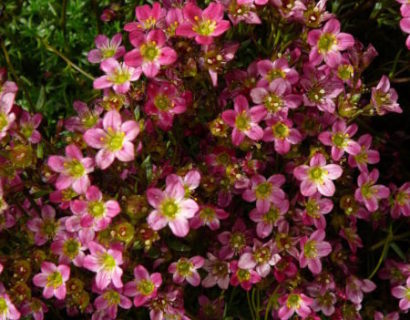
[
  {"x": 294, "y": 302},
  {"x": 28, "y": 126},
  {"x": 148, "y": 18},
  {"x": 368, "y": 192},
  {"x": 210, "y": 216},
  {"x": 186, "y": 269},
  {"x": 355, "y": 288},
  {"x": 241, "y": 10},
  {"x": 35, "y": 307},
  {"x": 274, "y": 217},
  {"x": 203, "y": 25},
  {"x": 218, "y": 272},
  {"x": 401, "y": 201},
  {"x": 87, "y": 118},
  {"x": 315, "y": 209},
  {"x": 366, "y": 155},
  {"x": 384, "y": 98},
  {"x": 246, "y": 278},
  {"x": 280, "y": 131},
  {"x": 277, "y": 69},
  {"x": 150, "y": 52},
  {"x": 234, "y": 242},
  {"x": 52, "y": 278},
  {"x": 109, "y": 301},
  {"x": 46, "y": 227},
  {"x": 390, "y": 316},
  {"x": 106, "y": 48},
  {"x": 312, "y": 249}
]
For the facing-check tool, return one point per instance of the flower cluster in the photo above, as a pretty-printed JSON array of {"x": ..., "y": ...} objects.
[{"x": 178, "y": 195}]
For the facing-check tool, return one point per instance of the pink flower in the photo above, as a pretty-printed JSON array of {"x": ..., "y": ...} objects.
[
  {"x": 203, "y": 25},
  {"x": 8, "y": 310},
  {"x": 69, "y": 248},
  {"x": 106, "y": 263},
  {"x": 280, "y": 131},
  {"x": 327, "y": 44},
  {"x": 244, "y": 121},
  {"x": 384, "y": 98},
  {"x": 109, "y": 301},
  {"x": 106, "y": 48},
  {"x": 276, "y": 98},
  {"x": 150, "y": 52},
  {"x": 52, "y": 278},
  {"x": 147, "y": 17},
  {"x": 164, "y": 102},
  {"x": 171, "y": 208},
  {"x": 144, "y": 287},
  {"x": 209, "y": 216},
  {"x": 294, "y": 302},
  {"x": 87, "y": 118},
  {"x": 368, "y": 192},
  {"x": 401, "y": 201},
  {"x": 186, "y": 269},
  {"x": 28, "y": 126},
  {"x": 339, "y": 139},
  {"x": 73, "y": 169},
  {"x": 366, "y": 155},
  {"x": 355, "y": 288},
  {"x": 118, "y": 76},
  {"x": 35, "y": 307},
  {"x": 390, "y": 316},
  {"x": 114, "y": 140},
  {"x": 317, "y": 176},
  {"x": 262, "y": 257},
  {"x": 241, "y": 10},
  {"x": 234, "y": 242},
  {"x": 218, "y": 273},
  {"x": 246, "y": 278},
  {"x": 275, "y": 216},
  {"x": 315, "y": 209},
  {"x": 402, "y": 293},
  {"x": 325, "y": 303},
  {"x": 278, "y": 69},
  {"x": 95, "y": 212},
  {"x": 265, "y": 191},
  {"x": 46, "y": 227},
  {"x": 7, "y": 94},
  {"x": 312, "y": 249}
]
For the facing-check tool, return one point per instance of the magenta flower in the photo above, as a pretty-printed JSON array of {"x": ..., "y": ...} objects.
[
  {"x": 218, "y": 273},
  {"x": 265, "y": 191},
  {"x": 95, "y": 213},
  {"x": 73, "y": 169},
  {"x": 28, "y": 126},
  {"x": 118, "y": 76},
  {"x": 280, "y": 131},
  {"x": 8, "y": 310},
  {"x": 355, "y": 288},
  {"x": 317, "y": 176},
  {"x": 114, "y": 140},
  {"x": 241, "y": 10},
  {"x": 276, "y": 98},
  {"x": 186, "y": 269},
  {"x": 312, "y": 249},
  {"x": 401, "y": 201},
  {"x": 144, "y": 287},
  {"x": 7, "y": 94},
  {"x": 315, "y": 209},
  {"x": 294, "y": 302},
  {"x": 149, "y": 53},
  {"x": 46, "y": 227},
  {"x": 246, "y": 278},
  {"x": 164, "y": 102},
  {"x": 327, "y": 44},
  {"x": 368, "y": 192},
  {"x": 405, "y": 21},
  {"x": 106, "y": 263},
  {"x": 244, "y": 121},
  {"x": 35, "y": 307},
  {"x": 234, "y": 242},
  {"x": 278, "y": 69},
  {"x": 339, "y": 139},
  {"x": 106, "y": 48},
  {"x": 366, "y": 155},
  {"x": 402, "y": 293},
  {"x": 262, "y": 257},
  {"x": 147, "y": 17},
  {"x": 87, "y": 118},
  {"x": 384, "y": 98},
  {"x": 109, "y": 301},
  {"x": 52, "y": 278},
  {"x": 171, "y": 208},
  {"x": 69, "y": 248},
  {"x": 203, "y": 25},
  {"x": 209, "y": 216}
]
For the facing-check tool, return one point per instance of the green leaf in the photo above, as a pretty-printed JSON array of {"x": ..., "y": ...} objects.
[
  {"x": 41, "y": 99},
  {"x": 397, "y": 249}
]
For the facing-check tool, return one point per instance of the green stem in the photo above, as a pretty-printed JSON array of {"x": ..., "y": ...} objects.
[
  {"x": 388, "y": 240},
  {"x": 394, "y": 238},
  {"x": 64, "y": 18},
  {"x": 250, "y": 305}
]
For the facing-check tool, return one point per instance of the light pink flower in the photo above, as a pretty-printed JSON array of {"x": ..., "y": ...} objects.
[
  {"x": 280, "y": 131},
  {"x": 52, "y": 278},
  {"x": 325, "y": 303},
  {"x": 148, "y": 18},
  {"x": 69, "y": 248},
  {"x": 244, "y": 121},
  {"x": 106, "y": 48},
  {"x": 390, "y": 316},
  {"x": 28, "y": 126},
  {"x": 109, "y": 301},
  {"x": 8, "y": 92},
  {"x": 209, "y": 216},
  {"x": 203, "y": 25},
  {"x": 94, "y": 211},
  {"x": 327, "y": 44},
  {"x": 106, "y": 264},
  {"x": 401, "y": 201},
  {"x": 46, "y": 227},
  {"x": 118, "y": 76},
  {"x": 355, "y": 288},
  {"x": 150, "y": 52},
  {"x": 339, "y": 139},
  {"x": 87, "y": 118},
  {"x": 246, "y": 278},
  {"x": 144, "y": 287},
  {"x": 218, "y": 273},
  {"x": 312, "y": 249},
  {"x": 384, "y": 98},
  {"x": 114, "y": 140},
  {"x": 73, "y": 169},
  {"x": 294, "y": 302},
  {"x": 317, "y": 176},
  {"x": 8, "y": 310},
  {"x": 171, "y": 208},
  {"x": 278, "y": 69},
  {"x": 366, "y": 155},
  {"x": 368, "y": 192},
  {"x": 403, "y": 293},
  {"x": 186, "y": 269}
]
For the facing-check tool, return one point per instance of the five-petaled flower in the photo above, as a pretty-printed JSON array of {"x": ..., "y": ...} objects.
[{"x": 53, "y": 279}]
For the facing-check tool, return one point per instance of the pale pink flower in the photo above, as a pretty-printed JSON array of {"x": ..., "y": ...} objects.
[
  {"x": 277, "y": 69},
  {"x": 355, "y": 288},
  {"x": 109, "y": 300},
  {"x": 317, "y": 176},
  {"x": 368, "y": 192},
  {"x": 218, "y": 272},
  {"x": 46, "y": 227},
  {"x": 210, "y": 216},
  {"x": 148, "y": 18},
  {"x": 8, "y": 92},
  {"x": 114, "y": 140},
  {"x": 280, "y": 131},
  {"x": 384, "y": 98},
  {"x": 325, "y": 303},
  {"x": 69, "y": 248},
  {"x": 52, "y": 278},
  {"x": 244, "y": 121},
  {"x": 106, "y": 264},
  {"x": 366, "y": 155},
  {"x": 186, "y": 269},
  {"x": 150, "y": 52},
  {"x": 8, "y": 309},
  {"x": 106, "y": 48},
  {"x": 171, "y": 208},
  {"x": 118, "y": 76},
  {"x": 294, "y": 302},
  {"x": 73, "y": 169},
  {"x": 144, "y": 287},
  {"x": 87, "y": 118},
  {"x": 28, "y": 126},
  {"x": 312, "y": 249},
  {"x": 403, "y": 293}
]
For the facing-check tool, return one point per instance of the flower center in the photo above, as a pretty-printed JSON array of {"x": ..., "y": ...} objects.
[
  {"x": 345, "y": 71},
  {"x": 162, "y": 102},
  {"x": 273, "y": 102},
  {"x": 339, "y": 139},
  {"x": 89, "y": 120},
  {"x": 71, "y": 248},
  {"x": 326, "y": 42},
  {"x": 3, "y": 121},
  {"x": 401, "y": 198},
  {"x": 207, "y": 214},
  {"x": 96, "y": 209},
  {"x": 145, "y": 287},
  {"x": 272, "y": 215},
  {"x": 310, "y": 249},
  {"x": 120, "y": 76},
  {"x": 169, "y": 208},
  {"x": 184, "y": 267},
  {"x": 237, "y": 240},
  {"x": 27, "y": 130},
  {"x": 204, "y": 27},
  {"x": 316, "y": 94},
  {"x": 280, "y": 130},
  {"x": 3, "y": 306},
  {"x": 242, "y": 121},
  {"x": 75, "y": 168},
  {"x": 293, "y": 301},
  {"x": 149, "y": 23},
  {"x": 312, "y": 209},
  {"x": 317, "y": 174},
  {"x": 112, "y": 297},
  {"x": 108, "y": 262},
  {"x": 115, "y": 140},
  {"x": 243, "y": 275},
  {"x": 220, "y": 269},
  {"x": 262, "y": 255},
  {"x": 263, "y": 190},
  {"x": 149, "y": 51},
  {"x": 382, "y": 98},
  {"x": 49, "y": 228},
  {"x": 55, "y": 280},
  {"x": 275, "y": 74},
  {"x": 108, "y": 52},
  {"x": 362, "y": 157},
  {"x": 366, "y": 190}
]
